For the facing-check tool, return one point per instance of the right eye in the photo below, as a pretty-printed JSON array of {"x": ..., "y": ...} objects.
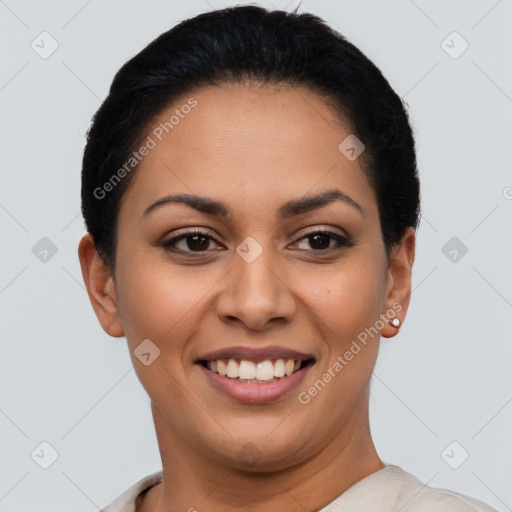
[{"x": 193, "y": 241}]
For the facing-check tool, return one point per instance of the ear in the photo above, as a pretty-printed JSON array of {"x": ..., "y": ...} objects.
[
  {"x": 100, "y": 287},
  {"x": 398, "y": 287}
]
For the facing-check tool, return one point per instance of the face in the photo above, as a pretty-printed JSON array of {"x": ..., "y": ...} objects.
[{"x": 254, "y": 265}]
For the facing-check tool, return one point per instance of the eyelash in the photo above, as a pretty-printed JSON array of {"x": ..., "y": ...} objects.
[{"x": 342, "y": 241}]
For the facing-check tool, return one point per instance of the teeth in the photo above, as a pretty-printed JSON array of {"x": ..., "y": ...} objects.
[
  {"x": 221, "y": 367},
  {"x": 248, "y": 370},
  {"x": 264, "y": 370},
  {"x": 279, "y": 368},
  {"x": 232, "y": 369}
]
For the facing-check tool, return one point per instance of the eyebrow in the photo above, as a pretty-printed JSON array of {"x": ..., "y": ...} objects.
[{"x": 287, "y": 210}]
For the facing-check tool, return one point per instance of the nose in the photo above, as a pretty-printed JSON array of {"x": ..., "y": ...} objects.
[{"x": 256, "y": 294}]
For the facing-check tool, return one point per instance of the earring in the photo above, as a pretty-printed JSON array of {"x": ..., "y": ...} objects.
[{"x": 395, "y": 322}]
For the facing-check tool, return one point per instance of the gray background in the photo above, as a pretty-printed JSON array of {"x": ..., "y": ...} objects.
[{"x": 445, "y": 378}]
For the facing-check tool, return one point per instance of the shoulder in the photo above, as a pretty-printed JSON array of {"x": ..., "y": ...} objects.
[
  {"x": 415, "y": 496},
  {"x": 126, "y": 501}
]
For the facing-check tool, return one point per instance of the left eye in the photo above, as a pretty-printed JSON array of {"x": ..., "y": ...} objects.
[
  {"x": 323, "y": 239},
  {"x": 197, "y": 241}
]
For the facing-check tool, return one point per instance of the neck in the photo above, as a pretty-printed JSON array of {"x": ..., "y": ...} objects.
[{"x": 193, "y": 481}]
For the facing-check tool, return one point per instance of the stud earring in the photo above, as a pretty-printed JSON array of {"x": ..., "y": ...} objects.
[{"x": 395, "y": 322}]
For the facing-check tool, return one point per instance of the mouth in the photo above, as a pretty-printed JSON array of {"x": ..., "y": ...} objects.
[
  {"x": 255, "y": 376},
  {"x": 247, "y": 371}
]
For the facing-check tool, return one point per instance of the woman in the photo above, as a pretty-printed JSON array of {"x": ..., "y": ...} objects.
[{"x": 251, "y": 197}]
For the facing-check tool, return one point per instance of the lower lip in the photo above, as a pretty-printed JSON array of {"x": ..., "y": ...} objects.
[{"x": 256, "y": 393}]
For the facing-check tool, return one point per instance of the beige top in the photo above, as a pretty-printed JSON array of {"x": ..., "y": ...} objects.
[{"x": 389, "y": 490}]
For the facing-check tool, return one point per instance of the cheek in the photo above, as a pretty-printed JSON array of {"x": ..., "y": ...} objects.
[
  {"x": 161, "y": 301},
  {"x": 347, "y": 297},
  {"x": 345, "y": 303}
]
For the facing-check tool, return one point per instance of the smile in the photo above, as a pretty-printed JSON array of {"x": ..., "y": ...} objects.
[
  {"x": 251, "y": 382},
  {"x": 250, "y": 372}
]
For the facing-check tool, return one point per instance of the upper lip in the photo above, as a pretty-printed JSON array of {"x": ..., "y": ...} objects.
[{"x": 255, "y": 354}]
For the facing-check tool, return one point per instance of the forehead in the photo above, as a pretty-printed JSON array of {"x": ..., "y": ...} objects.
[{"x": 239, "y": 141}]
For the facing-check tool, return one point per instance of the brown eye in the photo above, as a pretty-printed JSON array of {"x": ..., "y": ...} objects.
[
  {"x": 197, "y": 242},
  {"x": 321, "y": 240},
  {"x": 189, "y": 242}
]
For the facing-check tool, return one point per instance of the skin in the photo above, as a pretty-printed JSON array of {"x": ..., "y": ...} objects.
[{"x": 253, "y": 148}]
